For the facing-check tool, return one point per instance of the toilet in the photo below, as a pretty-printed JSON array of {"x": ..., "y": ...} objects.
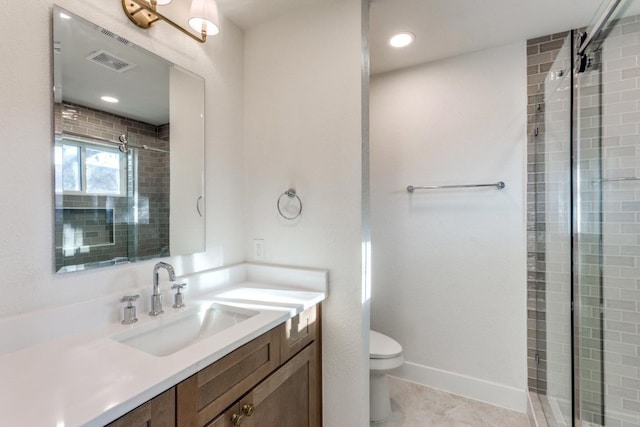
[{"x": 385, "y": 354}]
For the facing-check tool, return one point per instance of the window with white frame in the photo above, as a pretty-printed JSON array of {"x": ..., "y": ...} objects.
[{"x": 89, "y": 168}]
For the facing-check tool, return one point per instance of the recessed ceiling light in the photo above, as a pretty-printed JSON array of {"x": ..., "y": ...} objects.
[
  {"x": 110, "y": 99},
  {"x": 402, "y": 39},
  {"x": 64, "y": 15}
]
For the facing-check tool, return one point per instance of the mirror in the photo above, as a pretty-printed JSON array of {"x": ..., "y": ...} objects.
[{"x": 128, "y": 150}]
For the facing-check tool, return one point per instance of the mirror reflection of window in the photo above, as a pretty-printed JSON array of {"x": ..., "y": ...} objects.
[
  {"x": 91, "y": 168},
  {"x": 68, "y": 159},
  {"x": 103, "y": 169}
]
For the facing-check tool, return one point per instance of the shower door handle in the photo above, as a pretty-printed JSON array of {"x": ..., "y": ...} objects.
[{"x": 198, "y": 206}]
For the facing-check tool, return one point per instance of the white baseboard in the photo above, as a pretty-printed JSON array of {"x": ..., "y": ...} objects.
[{"x": 462, "y": 385}]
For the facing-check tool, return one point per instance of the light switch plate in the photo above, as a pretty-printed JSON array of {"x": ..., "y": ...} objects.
[{"x": 258, "y": 249}]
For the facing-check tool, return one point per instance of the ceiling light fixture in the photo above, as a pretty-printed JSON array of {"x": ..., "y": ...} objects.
[
  {"x": 203, "y": 16},
  {"x": 402, "y": 39},
  {"x": 110, "y": 99}
]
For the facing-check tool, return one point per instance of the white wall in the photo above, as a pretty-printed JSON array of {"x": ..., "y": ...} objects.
[
  {"x": 26, "y": 233},
  {"x": 449, "y": 266},
  {"x": 303, "y": 130}
]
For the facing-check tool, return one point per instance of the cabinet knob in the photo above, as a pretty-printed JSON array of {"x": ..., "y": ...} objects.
[
  {"x": 247, "y": 409},
  {"x": 237, "y": 419}
]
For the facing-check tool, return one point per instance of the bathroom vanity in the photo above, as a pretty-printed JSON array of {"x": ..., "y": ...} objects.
[
  {"x": 272, "y": 380},
  {"x": 254, "y": 361}
]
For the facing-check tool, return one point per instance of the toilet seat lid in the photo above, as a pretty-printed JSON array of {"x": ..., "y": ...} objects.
[{"x": 382, "y": 346}]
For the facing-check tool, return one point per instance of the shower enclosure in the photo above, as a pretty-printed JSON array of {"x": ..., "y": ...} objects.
[{"x": 584, "y": 221}]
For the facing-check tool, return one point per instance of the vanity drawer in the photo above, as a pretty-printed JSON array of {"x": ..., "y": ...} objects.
[
  {"x": 299, "y": 331},
  {"x": 206, "y": 394}
]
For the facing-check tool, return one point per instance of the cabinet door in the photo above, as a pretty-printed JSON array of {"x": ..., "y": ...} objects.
[
  {"x": 203, "y": 396},
  {"x": 287, "y": 398},
  {"x": 226, "y": 419},
  {"x": 157, "y": 412}
]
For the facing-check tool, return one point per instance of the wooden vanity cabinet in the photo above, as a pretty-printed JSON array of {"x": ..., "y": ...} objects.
[
  {"x": 287, "y": 398},
  {"x": 206, "y": 394},
  {"x": 226, "y": 419},
  {"x": 272, "y": 381},
  {"x": 298, "y": 332},
  {"x": 157, "y": 412}
]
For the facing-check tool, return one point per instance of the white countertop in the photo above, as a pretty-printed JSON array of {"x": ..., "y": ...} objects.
[{"x": 90, "y": 379}]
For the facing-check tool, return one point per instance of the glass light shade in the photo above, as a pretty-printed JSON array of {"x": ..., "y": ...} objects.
[
  {"x": 163, "y": 2},
  {"x": 204, "y": 14}
]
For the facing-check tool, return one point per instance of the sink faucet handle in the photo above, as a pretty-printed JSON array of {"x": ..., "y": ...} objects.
[
  {"x": 129, "y": 312},
  {"x": 177, "y": 298},
  {"x": 129, "y": 299}
]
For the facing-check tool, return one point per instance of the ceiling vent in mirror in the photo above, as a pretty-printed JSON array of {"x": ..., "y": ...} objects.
[{"x": 110, "y": 61}]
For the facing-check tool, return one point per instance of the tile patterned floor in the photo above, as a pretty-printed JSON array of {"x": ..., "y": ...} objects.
[{"x": 414, "y": 405}]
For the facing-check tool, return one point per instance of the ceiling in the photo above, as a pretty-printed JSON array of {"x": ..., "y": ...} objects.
[
  {"x": 249, "y": 13},
  {"x": 443, "y": 28}
]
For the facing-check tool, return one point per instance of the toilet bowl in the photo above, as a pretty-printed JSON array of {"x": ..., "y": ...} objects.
[{"x": 384, "y": 354}]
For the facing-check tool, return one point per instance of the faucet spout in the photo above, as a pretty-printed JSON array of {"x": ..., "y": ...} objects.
[
  {"x": 156, "y": 271},
  {"x": 156, "y": 298}
]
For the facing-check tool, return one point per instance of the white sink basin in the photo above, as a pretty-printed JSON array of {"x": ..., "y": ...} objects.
[{"x": 170, "y": 333}]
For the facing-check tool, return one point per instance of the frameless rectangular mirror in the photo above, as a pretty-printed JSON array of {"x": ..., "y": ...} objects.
[{"x": 128, "y": 150}]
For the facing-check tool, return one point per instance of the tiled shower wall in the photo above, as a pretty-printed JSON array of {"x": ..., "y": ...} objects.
[
  {"x": 150, "y": 237},
  {"x": 610, "y": 134},
  {"x": 90, "y": 214},
  {"x": 609, "y": 232}
]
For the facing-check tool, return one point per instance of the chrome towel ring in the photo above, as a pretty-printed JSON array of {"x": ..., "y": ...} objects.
[{"x": 292, "y": 197}]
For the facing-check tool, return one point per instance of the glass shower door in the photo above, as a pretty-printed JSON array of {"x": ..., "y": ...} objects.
[
  {"x": 607, "y": 227},
  {"x": 588, "y": 248},
  {"x": 555, "y": 205}
]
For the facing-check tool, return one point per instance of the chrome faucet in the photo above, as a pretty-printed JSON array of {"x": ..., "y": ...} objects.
[{"x": 156, "y": 298}]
